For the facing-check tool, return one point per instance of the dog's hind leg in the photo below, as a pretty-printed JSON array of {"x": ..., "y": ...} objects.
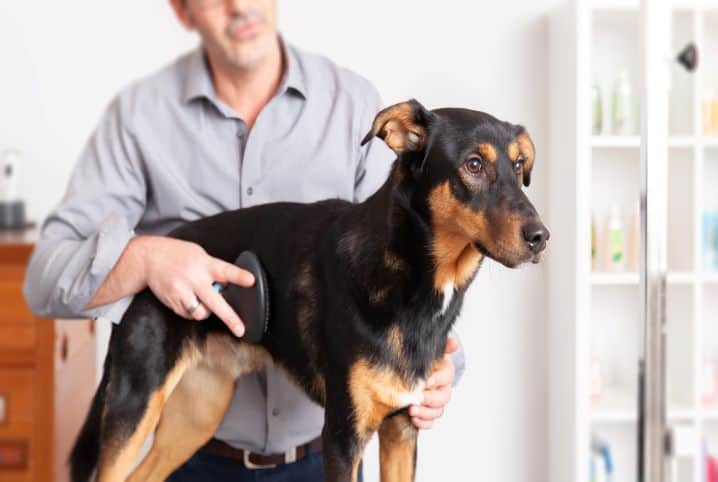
[
  {"x": 132, "y": 410},
  {"x": 190, "y": 417},
  {"x": 397, "y": 448},
  {"x": 196, "y": 407}
]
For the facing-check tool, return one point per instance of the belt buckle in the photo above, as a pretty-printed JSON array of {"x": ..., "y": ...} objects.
[{"x": 289, "y": 457}]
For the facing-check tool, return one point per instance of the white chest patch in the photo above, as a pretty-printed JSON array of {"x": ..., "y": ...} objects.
[
  {"x": 448, "y": 295},
  {"x": 414, "y": 397}
]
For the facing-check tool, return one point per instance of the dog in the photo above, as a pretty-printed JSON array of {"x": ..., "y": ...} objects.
[{"x": 362, "y": 299}]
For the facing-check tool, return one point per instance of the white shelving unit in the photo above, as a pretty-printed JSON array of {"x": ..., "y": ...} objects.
[{"x": 594, "y": 315}]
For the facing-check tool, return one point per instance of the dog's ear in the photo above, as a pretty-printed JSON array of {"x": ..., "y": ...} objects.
[
  {"x": 527, "y": 151},
  {"x": 403, "y": 127}
]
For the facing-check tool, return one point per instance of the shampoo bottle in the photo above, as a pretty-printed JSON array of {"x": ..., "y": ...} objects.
[
  {"x": 623, "y": 105},
  {"x": 615, "y": 241}
]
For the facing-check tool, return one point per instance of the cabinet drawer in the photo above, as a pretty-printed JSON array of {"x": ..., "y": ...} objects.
[
  {"x": 13, "y": 455},
  {"x": 14, "y": 309},
  {"x": 17, "y": 344},
  {"x": 15, "y": 399}
]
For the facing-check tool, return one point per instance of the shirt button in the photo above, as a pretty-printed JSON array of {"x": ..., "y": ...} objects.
[
  {"x": 275, "y": 412},
  {"x": 250, "y": 191}
]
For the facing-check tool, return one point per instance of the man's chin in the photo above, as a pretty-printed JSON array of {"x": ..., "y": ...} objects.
[{"x": 247, "y": 53}]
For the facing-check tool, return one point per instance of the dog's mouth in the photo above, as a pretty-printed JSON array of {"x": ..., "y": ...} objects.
[
  {"x": 480, "y": 248},
  {"x": 512, "y": 262}
]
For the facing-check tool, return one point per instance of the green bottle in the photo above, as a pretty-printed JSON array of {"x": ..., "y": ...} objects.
[{"x": 597, "y": 124}]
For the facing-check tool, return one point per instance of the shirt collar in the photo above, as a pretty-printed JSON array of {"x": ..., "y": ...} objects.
[{"x": 198, "y": 81}]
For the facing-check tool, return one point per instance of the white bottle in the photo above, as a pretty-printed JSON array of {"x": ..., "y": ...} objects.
[
  {"x": 615, "y": 242},
  {"x": 622, "y": 114}
]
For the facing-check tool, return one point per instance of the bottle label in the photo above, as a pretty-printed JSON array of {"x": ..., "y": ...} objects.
[{"x": 616, "y": 246}]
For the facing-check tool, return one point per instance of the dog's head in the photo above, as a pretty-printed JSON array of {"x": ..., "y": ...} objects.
[{"x": 464, "y": 171}]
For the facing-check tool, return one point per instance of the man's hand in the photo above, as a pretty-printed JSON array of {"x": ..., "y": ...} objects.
[
  {"x": 438, "y": 390},
  {"x": 180, "y": 272}
]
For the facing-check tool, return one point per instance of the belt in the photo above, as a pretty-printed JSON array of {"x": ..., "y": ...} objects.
[{"x": 253, "y": 460}]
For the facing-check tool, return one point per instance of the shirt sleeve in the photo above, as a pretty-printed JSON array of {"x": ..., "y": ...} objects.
[
  {"x": 375, "y": 157},
  {"x": 81, "y": 240}
]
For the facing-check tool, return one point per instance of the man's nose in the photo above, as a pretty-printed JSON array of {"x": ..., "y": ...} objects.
[{"x": 535, "y": 235}]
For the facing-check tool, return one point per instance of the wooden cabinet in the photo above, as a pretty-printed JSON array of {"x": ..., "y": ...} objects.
[{"x": 47, "y": 376}]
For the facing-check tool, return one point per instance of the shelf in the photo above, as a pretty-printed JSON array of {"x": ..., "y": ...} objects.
[
  {"x": 614, "y": 279},
  {"x": 623, "y": 142},
  {"x": 615, "y": 141},
  {"x": 623, "y": 279},
  {"x": 613, "y": 5},
  {"x": 618, "y": 405},
  {"x": 678, "y": 278},
  {"x": 681, "y": 141},
  {"x": 709, "y": 278}
]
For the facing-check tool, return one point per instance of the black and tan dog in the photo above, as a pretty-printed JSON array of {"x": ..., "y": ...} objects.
[{"x": 362, "y": 299}]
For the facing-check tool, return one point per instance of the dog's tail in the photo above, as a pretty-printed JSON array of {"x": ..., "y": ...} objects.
[{"x": 86, "y": 452}]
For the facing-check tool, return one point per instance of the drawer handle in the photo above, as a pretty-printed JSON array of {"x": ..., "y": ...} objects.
[
  {"x": 13, "y": 454},
  {"x": 3, "y": 409},
  {"x": 64, "y": 348}
]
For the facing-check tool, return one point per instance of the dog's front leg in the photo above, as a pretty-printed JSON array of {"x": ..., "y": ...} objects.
[
  {"x": 397, "y": 448},
  {"x": 345, "y": 434},
  {"x": 342, "y": 447}
]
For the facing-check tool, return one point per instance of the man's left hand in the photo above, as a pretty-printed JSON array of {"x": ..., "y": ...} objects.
[{"x": 438, "y": 390}]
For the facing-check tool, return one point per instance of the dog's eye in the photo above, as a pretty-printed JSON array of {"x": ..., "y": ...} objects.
[
  {"x": 519, "y": 165},
  {"x": 474, "y": 165}
]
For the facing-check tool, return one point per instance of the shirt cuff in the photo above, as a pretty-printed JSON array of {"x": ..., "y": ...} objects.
[
  {"x": 109, "y": 242},
  {"x": 459, "y": 359},
  {"x": 113, "y": 236},
  {"x": 111, "y": 311}
]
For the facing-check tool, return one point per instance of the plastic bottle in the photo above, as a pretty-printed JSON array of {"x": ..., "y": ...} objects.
[
  {"x": 615, "y": 242},
  {"x": 710, "y": 243},
  {"x": 593, "y": 243},
  {"x": 597, "y": 102},
  {"x": 623, "y": 105},
  {"x": 707, "y": 102}
]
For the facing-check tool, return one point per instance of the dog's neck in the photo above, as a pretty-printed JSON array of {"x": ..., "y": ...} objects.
[{"x": 399, "y": 246}]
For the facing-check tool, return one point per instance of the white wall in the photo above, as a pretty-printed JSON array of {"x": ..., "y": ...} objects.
[{"x": 63, "y": 61}]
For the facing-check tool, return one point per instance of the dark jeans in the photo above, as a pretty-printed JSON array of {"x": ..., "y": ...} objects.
[{"x": 204, "y": 467}]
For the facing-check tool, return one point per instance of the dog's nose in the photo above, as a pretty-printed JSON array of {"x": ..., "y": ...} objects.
[{"x": 536, "y": 235}]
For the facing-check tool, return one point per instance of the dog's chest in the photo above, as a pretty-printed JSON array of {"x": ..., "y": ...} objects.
[{"x": 447, "y": 294}]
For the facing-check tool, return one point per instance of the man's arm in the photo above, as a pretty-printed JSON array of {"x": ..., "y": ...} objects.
[
  {"x": 88, "y": 261},
  {"x": 82, "y": 239}
]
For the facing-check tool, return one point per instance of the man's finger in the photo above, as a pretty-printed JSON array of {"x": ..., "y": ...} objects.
[
  {"x": 219, "y": 306},
  {"x": 201, "y": 313},
  {"x": 452, "y": 345},
  {"x": 443, "y": 375},
  {"x": 423, "y": 424},
  {"x": 436, "y": 398},
  {"x": 425, "y": 413},
  {"x": 224, "y": 272}
]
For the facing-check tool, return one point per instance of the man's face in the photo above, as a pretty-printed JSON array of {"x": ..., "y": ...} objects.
[{"x": 240, "y": 32}]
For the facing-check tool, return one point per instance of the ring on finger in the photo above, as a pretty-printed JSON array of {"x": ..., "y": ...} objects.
[{"x": 195, "y": 304}]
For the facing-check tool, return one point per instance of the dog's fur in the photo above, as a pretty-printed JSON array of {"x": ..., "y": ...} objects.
[{"x": 362, "y": 299}]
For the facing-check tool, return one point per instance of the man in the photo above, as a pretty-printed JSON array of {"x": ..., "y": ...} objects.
[{"x": 244, "y": 120}]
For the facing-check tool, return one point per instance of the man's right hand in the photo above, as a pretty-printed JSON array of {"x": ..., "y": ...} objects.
[{"x": 180, "y": 272}]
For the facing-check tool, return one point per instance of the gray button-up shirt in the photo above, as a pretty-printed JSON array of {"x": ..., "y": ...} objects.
[{"x": 168, "y": 151}]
